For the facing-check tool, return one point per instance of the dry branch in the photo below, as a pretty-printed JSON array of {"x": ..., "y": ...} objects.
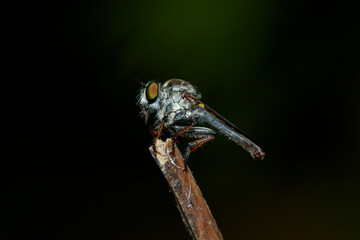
[{"x": 194, "y": 211}]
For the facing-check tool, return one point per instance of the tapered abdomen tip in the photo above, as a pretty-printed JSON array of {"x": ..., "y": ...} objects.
[{"x": 258, "y": 154}]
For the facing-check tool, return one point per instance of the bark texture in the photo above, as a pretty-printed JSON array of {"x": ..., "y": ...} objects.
[{"x": 193, "y": 208}]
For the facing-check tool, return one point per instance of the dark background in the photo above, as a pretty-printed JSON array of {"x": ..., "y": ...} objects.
[{"x": 75, "y": 161}]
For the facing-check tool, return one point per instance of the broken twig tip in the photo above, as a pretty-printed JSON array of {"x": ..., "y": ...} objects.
[{"x": 192, "y": 206}]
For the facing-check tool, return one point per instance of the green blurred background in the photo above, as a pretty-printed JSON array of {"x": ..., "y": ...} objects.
[{"x": 76, "y": 166}]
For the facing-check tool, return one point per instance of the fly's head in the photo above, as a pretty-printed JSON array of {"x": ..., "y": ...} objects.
[{"x": 148, "y": 99}]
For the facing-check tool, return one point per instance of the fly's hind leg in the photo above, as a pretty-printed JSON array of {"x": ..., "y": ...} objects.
[
  {"x": 204, "y": 134},
  {"x": 192, "y": 146}
]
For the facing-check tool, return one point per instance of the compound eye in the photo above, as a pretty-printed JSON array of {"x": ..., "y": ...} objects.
[{"x": 152, "y": 91}]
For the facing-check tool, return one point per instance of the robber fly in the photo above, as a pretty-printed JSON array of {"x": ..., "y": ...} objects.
[{"x": 177, "y": 107}]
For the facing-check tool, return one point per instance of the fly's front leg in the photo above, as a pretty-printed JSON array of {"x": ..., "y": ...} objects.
[{"x": 157, "y": 135}]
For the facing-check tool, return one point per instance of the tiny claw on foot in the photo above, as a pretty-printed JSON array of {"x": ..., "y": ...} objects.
[
  {"x": 185, "y": 166},
  {"x": 157, "y": 152},
  {"x": 173, "y": 147},
  {"x": 186, "y": 158},
  {"x": 154, "y": 147},
  {"x": 173, "y": 142}
]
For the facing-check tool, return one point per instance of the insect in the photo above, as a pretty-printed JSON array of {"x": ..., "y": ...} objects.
[{"x": 177, "y": 108}]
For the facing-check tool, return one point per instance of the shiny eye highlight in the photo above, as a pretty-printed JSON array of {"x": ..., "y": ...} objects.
[{"x": 152, "y": 91}]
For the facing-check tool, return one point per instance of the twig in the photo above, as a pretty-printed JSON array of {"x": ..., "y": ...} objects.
[{"x": 194, "y": 211}]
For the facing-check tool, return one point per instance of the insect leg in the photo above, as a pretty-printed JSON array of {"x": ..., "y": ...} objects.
[
  {"x": 194, "y": 145},
  {"x": 178, "y": 133},
  {"x": 157, "y": 134},
  {"x": 202, "y": 133}
]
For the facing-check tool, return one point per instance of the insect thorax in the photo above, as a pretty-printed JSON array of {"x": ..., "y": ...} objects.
[{"x": 174, "y": 105}]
